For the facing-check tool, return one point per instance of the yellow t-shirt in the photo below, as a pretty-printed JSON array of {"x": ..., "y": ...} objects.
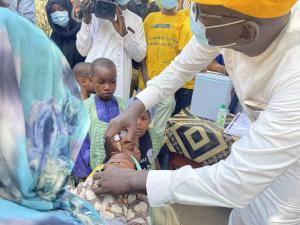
[
  {"x": 186, "y": 13},
  {"x": 166, "y": 36}
]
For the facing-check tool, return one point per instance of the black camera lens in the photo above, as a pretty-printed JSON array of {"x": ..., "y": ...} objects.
[{"x": 105, "y": 9}]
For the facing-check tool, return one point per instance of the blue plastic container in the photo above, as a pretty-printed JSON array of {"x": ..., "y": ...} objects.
[{"x": 211, "y": 90}]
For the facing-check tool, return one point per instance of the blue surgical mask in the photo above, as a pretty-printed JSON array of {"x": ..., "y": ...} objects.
[
  {"x": 169, "y": 4},
  {"x": 122, "y": 2},
  {"x": 199, "y": 30},
  {"x": 60, "y": 18}
]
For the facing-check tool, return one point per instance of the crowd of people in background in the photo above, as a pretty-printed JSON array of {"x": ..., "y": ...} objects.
[
  {"x": 76, "y": 124},
  {"x": 112, "y": 60}
]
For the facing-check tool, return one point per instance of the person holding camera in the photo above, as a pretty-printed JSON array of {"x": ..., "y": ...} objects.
[
  {"x": 260, "y": 179},
  {"x": 110, "y": 30}
]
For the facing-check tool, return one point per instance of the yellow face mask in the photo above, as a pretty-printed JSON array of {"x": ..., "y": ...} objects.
[{"x": 254, "y": 8}]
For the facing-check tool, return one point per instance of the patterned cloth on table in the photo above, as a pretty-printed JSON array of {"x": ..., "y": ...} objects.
[
  {"x": 198, "y": 139},
  {"x": 42, "y": 125},
  {"x": 131, "y": 209}
]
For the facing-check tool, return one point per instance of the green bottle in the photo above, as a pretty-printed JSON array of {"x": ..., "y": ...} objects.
[{"x": 221, "y": 118}]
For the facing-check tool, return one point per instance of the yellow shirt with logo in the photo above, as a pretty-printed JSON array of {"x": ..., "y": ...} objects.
[
  {"x": 166, "y": 36},
  {"x": 186, "y": 13}
]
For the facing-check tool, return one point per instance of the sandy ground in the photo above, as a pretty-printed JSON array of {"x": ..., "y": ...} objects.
[{"x": 196, "y": 215}]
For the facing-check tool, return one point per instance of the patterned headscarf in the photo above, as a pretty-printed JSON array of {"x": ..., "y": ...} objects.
[{"x": 42, "y": 125}]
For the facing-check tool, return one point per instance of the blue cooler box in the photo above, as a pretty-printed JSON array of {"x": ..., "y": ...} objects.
[{"x": 211, "y": 90}]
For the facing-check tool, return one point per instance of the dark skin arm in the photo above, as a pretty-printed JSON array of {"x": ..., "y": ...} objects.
[
  {"x": 118, "y": 181},
  {"x": 144, "y": 71},
  {"x": 125, "y": 121},
  {"x": 119, "y": 24},
  {"x": 216, "y": 67},
  {"x": 87, "y": 11}
]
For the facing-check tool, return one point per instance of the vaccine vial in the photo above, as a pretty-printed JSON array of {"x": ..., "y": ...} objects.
[{"x": 118, "y": 137}]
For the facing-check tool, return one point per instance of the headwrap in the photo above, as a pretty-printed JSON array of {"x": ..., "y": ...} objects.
[
  {"x": 42, "y": 125},
  {"x": 74, "y": 26},
  {"x": 254, "y": 8}
]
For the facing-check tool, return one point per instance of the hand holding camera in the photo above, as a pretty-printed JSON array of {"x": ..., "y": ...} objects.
[
  {"x": 119, "y": 24},
  {"x": 105, "y": 9},
  {"x": 87, "y": 9}
]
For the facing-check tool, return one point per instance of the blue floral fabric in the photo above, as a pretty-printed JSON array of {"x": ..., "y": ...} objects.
[{"x": 42, "y": 125}]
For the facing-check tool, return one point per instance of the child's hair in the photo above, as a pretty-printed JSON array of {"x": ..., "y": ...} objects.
[
  {"x": 82, "y": 70},
  {"x": 104, "y": 63},
  {"x": 108, "y": 149},
  {"x": 111, "y": 148}
]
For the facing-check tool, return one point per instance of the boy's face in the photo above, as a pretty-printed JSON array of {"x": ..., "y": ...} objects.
[
  {"x": 143, "y": 124},
  {"x": 104, "y": 82},
  {"x": 86, "y": 84}
]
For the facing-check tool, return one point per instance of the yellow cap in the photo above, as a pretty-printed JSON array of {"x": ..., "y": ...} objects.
[{"x": 255, "y": 8}]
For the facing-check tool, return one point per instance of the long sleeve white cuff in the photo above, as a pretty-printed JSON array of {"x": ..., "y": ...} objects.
[
  {"x": 158, "y": 182},
  {"x": 83, "y": 41},
  {"x": 193, "y": 58}
]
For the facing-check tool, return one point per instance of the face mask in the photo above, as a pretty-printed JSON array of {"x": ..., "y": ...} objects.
[
  {"x": 169, "y": 4},
  {"x": 122, "y": 2},
  {"x": 60, "y": 18},
  {"x": 199, "y": 30}
]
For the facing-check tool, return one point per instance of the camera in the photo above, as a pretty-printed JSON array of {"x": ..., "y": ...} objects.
[{"x": 104, "y": 9}]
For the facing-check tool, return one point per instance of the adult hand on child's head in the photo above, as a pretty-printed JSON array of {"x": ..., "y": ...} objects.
[
  {"x": 125, "y": 121},
  {"x": 119, "y": 181}
]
